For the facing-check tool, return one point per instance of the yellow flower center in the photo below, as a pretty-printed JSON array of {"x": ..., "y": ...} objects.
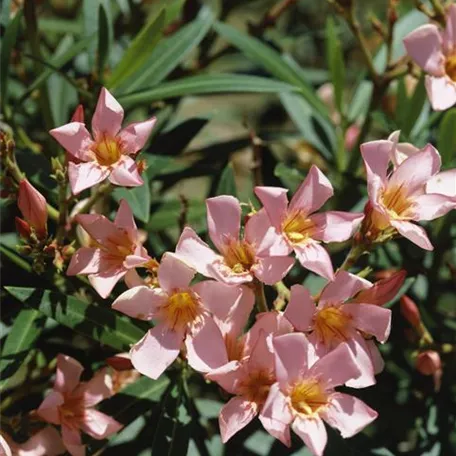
[
  {"x": 396, "y": 202},
  {"x": 450, "y": 67},
  {"x": 108, "y": 151},
  {"x": 255, "y": 388},
  {"x": 239, "y": 256},
  {"x": 332, "y": 325},
  {"x": 297, "y": 227},
  {"x": 182, "y": 308},
  {"x": 308, "y": 397}
]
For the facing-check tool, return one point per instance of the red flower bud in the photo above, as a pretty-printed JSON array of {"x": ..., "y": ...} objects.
[
  {"x": 78, "y": 115},
  {"x": 32, "y": 205},
  {"x": 410, "y": 312},
  {"x": 120, "y": 362},
  {"x": 428, "y": 362},
  {"x": 23, "y": 228}
]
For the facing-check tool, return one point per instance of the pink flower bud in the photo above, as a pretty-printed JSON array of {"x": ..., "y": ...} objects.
[
  {"x": 78, "y": 115},
  {"x": 383, "y": 290},
  {"x": 23, "y": 228},
  {"x": 120, "y": 362},
  {"x": 410, "y": 312},
  {"x": 32, "y": 205},
  {"x": 428, "y": 362}
]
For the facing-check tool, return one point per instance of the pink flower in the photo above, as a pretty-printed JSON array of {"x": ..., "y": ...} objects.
[
  {"x": 117, "y": 251},
  {"x": 71, "y": 405},
  {"x": 46, "y": 442},
  {"x": 304, "y": 395},
  {"x": 240, "y": 260},
  {"x": 33, "y": 207},
  {"x": 183, "y": 313},
  {"x": 434, "y": 50},
  {"x": 298, "y": 228},
  {"x": 336, "y": 320},
  {"x": 108, "y": 154},
  {"x": 443, "y": 183},
  {"x": 400, "y": 197}
]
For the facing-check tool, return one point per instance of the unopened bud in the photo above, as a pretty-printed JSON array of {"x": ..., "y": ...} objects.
[
  {"x": 32, "y": 205},
  {"x": 78, "y": 115},
  {"x": 23, "y": 228},
  {"x": 428, "y": 362},
  {"x": 120, "y": 362},
  {"x": 410, "y": 312},
  {"x": 383, "y": 290}
]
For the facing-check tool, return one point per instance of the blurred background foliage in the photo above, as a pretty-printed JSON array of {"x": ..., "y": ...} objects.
[{"x": 234, "y": 86}]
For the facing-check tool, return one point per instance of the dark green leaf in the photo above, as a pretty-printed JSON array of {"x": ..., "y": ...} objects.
[
  {"x": 204, "y": 84},
  {"x": 446, "y": 139},
  {"x": 103, "y": 40},
  {"x": 138, "y": 199},
  {"x": 26, "y": 329},
  {"x": 291, "y": 177},
  {"x": 138, "y": 51},
  {"x": 227, "y": 183},
  {"x": 166, "y": 216},
  {"x": 414, "y": 107},
  {"x": 103, "y": 325}
]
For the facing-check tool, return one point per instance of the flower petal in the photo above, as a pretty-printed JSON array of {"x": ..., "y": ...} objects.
[
  {"x": 49, "y": 408},
  {"x": 234, "y": 416},
  {"x": 135, "y": 135},
  {"x": 68, "y": 373},
  {"x": 108, "y": 115},
  {"x": 85, "y": 260},
  {"x": 315, "y": 258},
  {"x": 272, "y": 269},
  {"x": 46, "y": 442},
  {"x": 97, "y": 389},
  {"x": 443, "y": 183},
  {"x": 275, "y": 202},
  {"x": 124, "y": 217},
  {"x": 228, "y": 376},
  {"x": 140, "y": 302},
  {"x": 99, "y": 425},
  {"x": 300, "y": 309},
  {"x": 441, "y": 92},
  {"x": 125, "y": 173},
  {"x": 376, "y": 156},
  {"x": 362, "y": 356},
  {"x": 156, "y": 351},
  {"x": 276, "y": 410},
  {"x": 75, "y": 139},
  {"x": 432, "y": 206},
  {"x": 277, "y": 429},
  {"x": 413, "y": 233},
  {"x": 312, "y": 432},
  {"x": 173, "y": 273},
  {"x": 105, "y": 281},
  {"x": 336, "y": 226},
  {"x": 85, "y": 175},
  {"x": 344, "y": 286},
  {"x": 72, "y": 441},
  {"x": 449, "y": 34},
  {"x": 98, "y": 226}
]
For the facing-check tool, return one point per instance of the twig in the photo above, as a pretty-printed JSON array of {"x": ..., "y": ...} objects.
[
  {"x": 270, "y": 17},
  {"x": 257, "y": 147}
]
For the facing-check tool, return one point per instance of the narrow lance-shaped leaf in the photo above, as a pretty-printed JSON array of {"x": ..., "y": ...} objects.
[
  {"x": 103, "y": 40},
  {"x": 446, "y": 140},
  {"x": 138, "y": 199},
  {"x": 227, "y": 182},
  {"x": 414, "y": 107}
]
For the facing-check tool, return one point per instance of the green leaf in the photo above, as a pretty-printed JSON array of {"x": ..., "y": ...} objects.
[
  {"x": 103, "y": 40},
  {"x": 446, "y": 139},
  {"x": 138, "y": 199},
  {"x": 209, "y": 83},
  {"x": 170, "y": 52},
  {"x": 8, "y": 43},
  {"x": 335, "y": 61},
  {"x": 291, "y": 177},
  {"x": 166, "y": 216},
  {"x": 26, "y": 329},
  {"x": 227, "y": 183},
  {"x": 100, "y": 324},
  {"x": 138, "y": 51},
  {"x": 414, "y": 107}
]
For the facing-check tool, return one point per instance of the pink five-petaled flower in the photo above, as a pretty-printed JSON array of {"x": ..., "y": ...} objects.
[
  {"x": 298, "y": 228},
  {"x": 117, "y": 250},
  {"x": 304, "y": 394},
  {"x": 33, "y": 207},
  {"x": 398, "y": 198},
  {"x": 108, "y": 154},
  {"x": 71, "y": 405},
  {"x": 240, "y": 260},
  {"x": 182, "y": 312},
  {"x": 46, "y": 442},
  {"x": 435, "y": 51},
  {"x": 336, "y": 320}
]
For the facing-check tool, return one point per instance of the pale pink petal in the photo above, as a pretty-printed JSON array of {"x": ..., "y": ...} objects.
[
  {"x": 105, "y": 281},
  {"x": 124, "y": 217},
  {"x": 85, "y": 260},
  {"x": 173, "y": 273},
  {"x": 276, "y": 409},
  {"x": 364, "y": 361},
  {"x": 228, "y": 376},
  {"x": 133, "y": 279},
  {"x": 261, "y": 356},
  {"x": 75, "y": 139},
  {"x": 275, "y": 202},
  {"x": 98, "y": 226},
  {"x": 46, "y": 442},
  {"x": 400, "y": 151},
  {"x": 195, "y": 252},
  {"x": 312, "y": 432},
  {"x": 348, "y": 414},
  {"x": 4, "y": 447},
  {"x": 449, "y": 34},
  {"x": 370, "y": 319},
  {"x": 291, "y": 354},
  {"x": 443, "y": 183},
  {"x": 344, "y": 286},
  {"x": 108, "y": 115},
  {"x": 432, "y": 206},
  {"x": 206, "y": 348},
  {"x": 441, "y": 92},
  {"x": 68, "y": 373},
  {"x": 218, "y": 297},
  {"x": 335, "y": 368},
  {"x": 72, "y": 441},
  {"x": 424, "y": 46},
  {"x": 315, "y": 258},
  {"x": 48, "y": 410},
  {"x": 376, "y": 156},
  {"x": 140, "y": 302},
  {"x": 377, "y": 361},
  {"x": 135, "y": 135},
  {"x": 99, "y": 387},
  {"x": 223, "y": 219},
  {"x": 85, "y": 175},
  {"x": 277, "y": 429},
  {"x": 336, "y": 226},
  {"x": 413, "y": 233},
  {"x": 134, "y": 261},
  {"x": 220, "y": 271},
  {"x": 312, "y": 193},
  {"x": 156, "y": 351},
  {"x": 300, "y": 309},
  {"x": 234, "y": 416},
  {"x": 272, "y": 269},
  {"x": 98, "y": 425},
  {"x": 125, "y": 173}
]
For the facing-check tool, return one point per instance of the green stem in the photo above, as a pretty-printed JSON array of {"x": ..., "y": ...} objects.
[
  {"x": 63, "y": 209},
  {"x": 353, "y": 255},
  {"x": 103, "y": 190},
  {"x": 260, "y": 296}
]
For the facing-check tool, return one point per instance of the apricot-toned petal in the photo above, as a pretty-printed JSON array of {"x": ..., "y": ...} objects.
[
  {"x": 85, "y": 175},
  {"x": 271, "y": 270},
  {"x": 413, "y": 233},
  {"x": 174, "y": 273},
  {"x": 443, "y": 183},
  {"x": 312, "y": 432},
  {"x": 370, "y": 319},
  {"x": 133, "y": 279},
  {"x": 300, "y": 309},
  {"x": 377, "y": 361},
  {"x": 275, "y": 202},
  {"x": 156, "y": 351},
  {"x": 376, "y": 156},
  {"x": 362, "y": 357},
  {"x": 72, "y": 440},
  {"x": 235, "y": 415},
  {"x": 46, "y": 442},
  {"x": 140, "y": 302},
  {"x": 135, "y": 135},
  {"x": 336, "y": 226},
  {"x": 99, "y": 387},
  {"x": 441, "y": 92},
  {"x": 424, "y": 46},
  {"x": 108, "y": 116},
  {"x": 344, "y": 286},
  {"x": 105, "y": 281},
  {"x": 348, "y": 414},
  {"x": 261, "y": 356},
  {"x": 312, "y": 193},
  {"x": 134, "y": 261},
  {"x": 125, "y": 173},
  {"x": 99, "y": 425},
  {"x": 33, "y": 206},
  {"x": 85, "y": 260},
  {"x": 315, "y": 258},
  {"x": 98, "y": 226},
  {"x": 68, "y": 373},
  {"x": 228, "y": 376},
  {"x": 49, "y": 408},
  {"x": 277, "y": 429},
  {"x": 75, "y": 139},
  {"x": 449, "y": 34},
  {"x": 432, "y": 206},
  {"x": 124, "y": 217},
  {"x": 276, "y": 409}
]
